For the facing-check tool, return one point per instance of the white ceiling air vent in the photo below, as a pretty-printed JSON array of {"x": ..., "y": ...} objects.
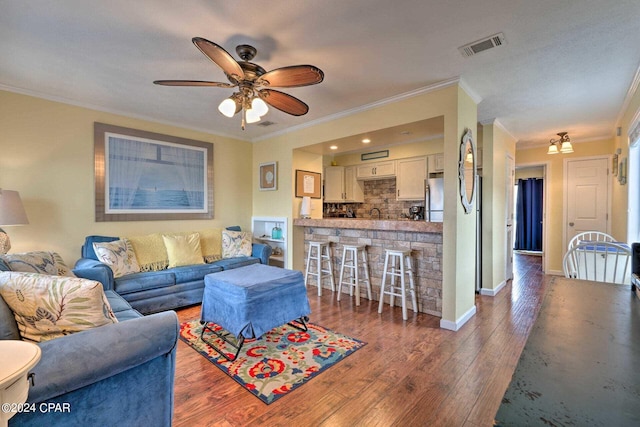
[
  {"x": 481, "y": 45},
  {"x": 266, "y": 123}
]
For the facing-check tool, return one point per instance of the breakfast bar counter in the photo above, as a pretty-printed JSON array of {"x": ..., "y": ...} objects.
[
  {"x": 423, "y": 238},
  {"x": 371, "y": 224}
]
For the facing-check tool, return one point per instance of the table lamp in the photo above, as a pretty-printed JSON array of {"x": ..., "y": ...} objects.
[{"x": 11, "y": 213}]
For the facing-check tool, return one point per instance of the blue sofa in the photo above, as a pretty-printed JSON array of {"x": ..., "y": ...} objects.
[
  {"x": 155, "y": 291},
  {"x": 119, "y": 374}
]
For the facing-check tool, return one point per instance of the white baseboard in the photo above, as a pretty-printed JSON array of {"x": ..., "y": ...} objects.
[
  {"x": 555, "y": 272},
  {"x": 493, "y": 292},
  {"x": 454, "y": 326}
]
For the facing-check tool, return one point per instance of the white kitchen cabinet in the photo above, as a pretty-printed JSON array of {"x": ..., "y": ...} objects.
[
  {"x": 410, "y": 179},
  {"x": 263, "y": 232},
  {"x": 377, "y": 170},
  {"x": 354, "y": 189},
  {"x": 341, "y": 186},
  {"x": 436, "y": 163}
]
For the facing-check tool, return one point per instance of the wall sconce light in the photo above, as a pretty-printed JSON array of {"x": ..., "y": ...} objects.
[{"x": 563, "y": 142}]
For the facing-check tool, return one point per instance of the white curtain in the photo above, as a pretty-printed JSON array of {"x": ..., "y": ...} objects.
[
  {"x": 189, "y": 166},
  {"x": 124, "y": 170}
]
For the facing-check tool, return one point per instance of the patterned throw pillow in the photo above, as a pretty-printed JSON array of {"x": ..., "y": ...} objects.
[
  {"x": 236, "y": 243},
  {"x": 47, "y": 307},
  {"x": 42, "y": 262},
  {"x": 183, "y": 249},
  {"x": 118, "y": 255}
]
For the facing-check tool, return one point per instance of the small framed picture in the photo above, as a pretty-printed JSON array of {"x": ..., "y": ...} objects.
[
  {"x": 268, "y": 176},
  {"x": 614, "y": 165}
]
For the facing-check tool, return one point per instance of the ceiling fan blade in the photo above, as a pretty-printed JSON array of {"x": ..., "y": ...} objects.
[
  {"x": 220, "y": 57},
  {"x": 283, "y": 102},
  {"x": 192, "y": 83},
  {"x": 292, "y": 76}
]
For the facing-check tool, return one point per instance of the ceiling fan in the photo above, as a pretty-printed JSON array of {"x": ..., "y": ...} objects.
[{"x": 253, "y": 82}]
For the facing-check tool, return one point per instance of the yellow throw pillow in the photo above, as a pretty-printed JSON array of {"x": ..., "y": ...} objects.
[
  {"x": 47, "y": 307},
  {"x": 183, "y": 249},
  {"x": 150, "y": 252},
  {"x": 211, "y": 244}
]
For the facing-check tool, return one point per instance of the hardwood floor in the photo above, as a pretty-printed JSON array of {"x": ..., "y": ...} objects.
[{"x": 410, "y": 373}]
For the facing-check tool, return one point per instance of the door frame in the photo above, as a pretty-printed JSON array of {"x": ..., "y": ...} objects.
[
  {"x": 565, "y": 193},
  {"x": 546, "y": 176}
]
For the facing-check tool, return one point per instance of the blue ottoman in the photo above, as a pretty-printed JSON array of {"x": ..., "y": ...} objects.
[{"x": 249, "y": 301}]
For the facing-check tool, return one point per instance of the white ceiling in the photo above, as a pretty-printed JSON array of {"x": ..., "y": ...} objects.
[{"x": 567, "y": 64}]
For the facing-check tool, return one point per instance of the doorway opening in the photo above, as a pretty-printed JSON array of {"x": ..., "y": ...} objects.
[{"x": 528, "y": 208}]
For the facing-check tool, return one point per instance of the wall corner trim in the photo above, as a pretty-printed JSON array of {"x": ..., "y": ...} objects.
[
  {"x": 455, "y": 326},
  {"x": 493, "y": 292}
]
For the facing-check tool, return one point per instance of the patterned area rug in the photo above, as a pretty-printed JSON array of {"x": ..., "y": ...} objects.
[{"x": 280, "y": 361}]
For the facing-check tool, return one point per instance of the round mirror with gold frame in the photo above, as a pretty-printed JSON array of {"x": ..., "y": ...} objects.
[{"x": 467, "y": 171}]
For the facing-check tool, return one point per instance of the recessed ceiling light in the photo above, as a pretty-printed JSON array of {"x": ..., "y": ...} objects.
[
  {"x": 366, "y": 141},
  {"x": 405, "y": 132},
  {"x": 334, "y": 147}
]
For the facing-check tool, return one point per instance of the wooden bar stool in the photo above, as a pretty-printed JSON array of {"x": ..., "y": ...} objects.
[
  {"x": 320, "y": 253},
  {"x": 399, "y": 261},
  {"x": 353, "y": 265}
]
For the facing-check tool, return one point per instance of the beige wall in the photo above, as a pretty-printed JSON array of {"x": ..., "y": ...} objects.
[
  {"x": 497, "y": 145},
  {"x": 529, "y": 172},
  {"x": 555, "y": 196},
  {"x": 47, "y": 155}
]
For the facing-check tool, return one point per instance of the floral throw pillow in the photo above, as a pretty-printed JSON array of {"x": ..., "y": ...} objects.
[
  {"x": 42, "y": 262},
  {"x": 236, "y": 243},
  {"x": 118, "y": 255},
  {"x": 47, "y": 307}
]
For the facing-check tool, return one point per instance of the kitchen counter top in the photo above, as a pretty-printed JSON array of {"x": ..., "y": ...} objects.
[{"x": 371, "y": 224}]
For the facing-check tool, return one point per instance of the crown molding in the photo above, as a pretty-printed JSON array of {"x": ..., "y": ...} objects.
[
  {"x": 635, "y": 82},
  {"x": 498, "y": 124},
  {"x": 472, "y": 93},
  {"x": 67, "y": 101},
  {"x": 396, "y": 98}
]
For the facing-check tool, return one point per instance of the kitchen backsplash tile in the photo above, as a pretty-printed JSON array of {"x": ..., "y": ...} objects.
[{"x": 381, "y": 194}]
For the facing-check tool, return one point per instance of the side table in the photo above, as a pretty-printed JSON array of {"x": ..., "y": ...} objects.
[{"x": 16, "y": 359}]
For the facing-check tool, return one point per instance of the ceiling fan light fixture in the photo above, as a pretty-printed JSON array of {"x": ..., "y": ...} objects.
[
  {"x": 228, "y": 107},
  {"x": 252, "y": 116},
  {"x": 254, "y": 83},
  {"x": 259, "y": 106}
]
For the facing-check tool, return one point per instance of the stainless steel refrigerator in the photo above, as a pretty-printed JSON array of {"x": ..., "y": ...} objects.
[{"x": 434, "y": 200}]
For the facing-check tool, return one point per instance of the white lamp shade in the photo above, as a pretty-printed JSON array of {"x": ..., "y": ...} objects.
[
  {"x": 553, "y": 149},
  {"x": 259, "y": 106},
  {"x": 227, "y": 107},
  {"x": 566, "y": 147},
  {"x": 11, "y": 209},
  {"x": 252, "y": 116},
  {"x": 305, "y": 207}
]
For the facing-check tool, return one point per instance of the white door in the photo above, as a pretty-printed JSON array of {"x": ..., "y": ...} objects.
[
  {"x": 509, "y": 190},
  {"x": 587, "y": 193}
]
